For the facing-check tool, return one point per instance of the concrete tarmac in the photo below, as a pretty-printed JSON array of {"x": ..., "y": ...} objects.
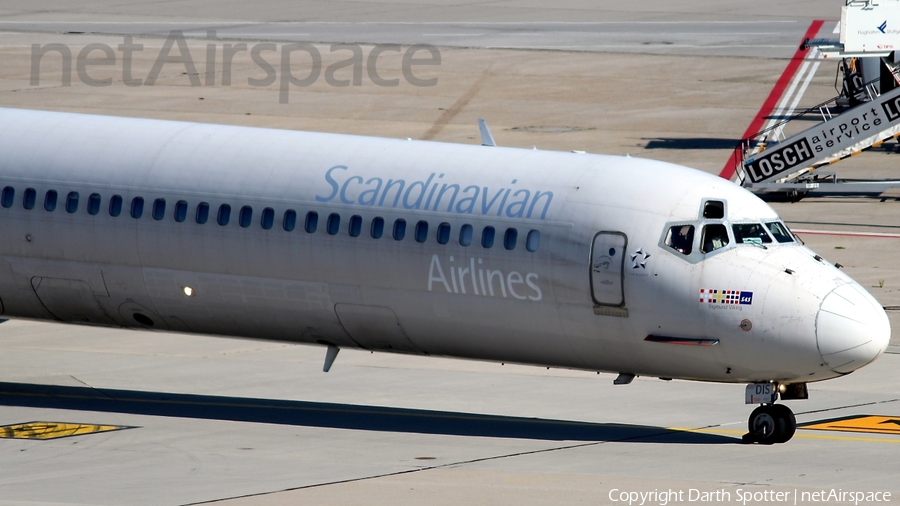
[
  {"x": 365, "y": 11},
  {"x": 719, "y": 38},
  {"x": 207, "y": 419}
]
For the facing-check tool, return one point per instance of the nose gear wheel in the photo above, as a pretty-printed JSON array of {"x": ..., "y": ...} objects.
[{"x": 770, "y": 424}]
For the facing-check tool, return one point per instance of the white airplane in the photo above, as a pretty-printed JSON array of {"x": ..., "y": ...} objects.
[{"x": 567, "y": 260}]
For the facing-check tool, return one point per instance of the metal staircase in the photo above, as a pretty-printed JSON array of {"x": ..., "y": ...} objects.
[{"x": 767, "y": 163}]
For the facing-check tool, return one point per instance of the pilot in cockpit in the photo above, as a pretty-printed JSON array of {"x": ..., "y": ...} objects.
[{"x": 682, "y": 239}]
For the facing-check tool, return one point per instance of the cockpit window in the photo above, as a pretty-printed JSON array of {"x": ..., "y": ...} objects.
[
  {"x": 714, "y": 210},
  {"x": 714, "y": 237},
  {"x": 681, "y": 238},
  {"x": 780, "y": 232},
  {"x": 750, "y": 233}
]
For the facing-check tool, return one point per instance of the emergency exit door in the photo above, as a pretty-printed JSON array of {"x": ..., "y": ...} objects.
[{"x": 607, "y": 268}]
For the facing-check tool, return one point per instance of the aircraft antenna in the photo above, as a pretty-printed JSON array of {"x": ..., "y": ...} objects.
[{"x": 486, "y": 138}]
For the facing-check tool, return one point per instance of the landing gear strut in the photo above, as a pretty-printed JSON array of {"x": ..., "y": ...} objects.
[{"x": 771, "y": 423}]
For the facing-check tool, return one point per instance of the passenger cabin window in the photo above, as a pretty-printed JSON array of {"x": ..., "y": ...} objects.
[
  {"x": 245, "y": 217},
  {"x": 9, "y": 194},
  {"x": 311, "y": 223},
  {"x": 714, "y": 237},
  {"x": 750, "y": 233},
  {"x": 465, "y": 235},
  {"x": 137, "y": 207},
  {"x": 421, "y": 231},
  {"x": 443, "y": 233},
  {"x": 487, "y": 237},
  {"x": 268, "y": 218},
  {"x": 224, "y": 215},
  {"x": 50, "y": 200},
  {"x": 159, "y": 209},
  {"x": 355, "y": 226},
  {"x": 202, "y": 213},
  {"x": 780, "y": 232},
  {"x": 29, "y": 198},
  {"x": 399, "y": 230},
  {"x": 714, "y": 210},
  {"x": 681, "y": 238},
  {"x": 289, "y": 221},
  {"x": 377, "y": 229},
  {"x": 72, "y": 202},
  {"x": 510, "y": 238},
  {"x": 533, "y": 241},
  {"x": 181, "y": 209},
  {"x": 94, "y": 202},
  {"x": 333, "y": 225},
  {"x": 115, "y": 205}
]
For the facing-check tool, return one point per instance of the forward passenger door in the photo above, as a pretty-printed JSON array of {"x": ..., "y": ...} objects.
[{"x": 607, "y": 268}]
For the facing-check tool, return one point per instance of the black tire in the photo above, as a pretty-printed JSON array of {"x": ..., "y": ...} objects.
[
  {"x": 790, "y": 422},
  {"x": 767, "y": 425}
]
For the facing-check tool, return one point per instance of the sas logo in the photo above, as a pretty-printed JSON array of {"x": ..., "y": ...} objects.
[{"x": 727, "y": 297}]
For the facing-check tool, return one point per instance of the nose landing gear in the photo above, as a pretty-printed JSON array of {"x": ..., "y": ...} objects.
[{"x": 771, "y": 423}]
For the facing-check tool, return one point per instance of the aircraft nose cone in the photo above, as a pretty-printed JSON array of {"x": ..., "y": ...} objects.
[{"x": 852, "y": 328}]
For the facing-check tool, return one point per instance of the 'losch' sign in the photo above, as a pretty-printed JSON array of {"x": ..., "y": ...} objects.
[{"x": 836, "y": 134}]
